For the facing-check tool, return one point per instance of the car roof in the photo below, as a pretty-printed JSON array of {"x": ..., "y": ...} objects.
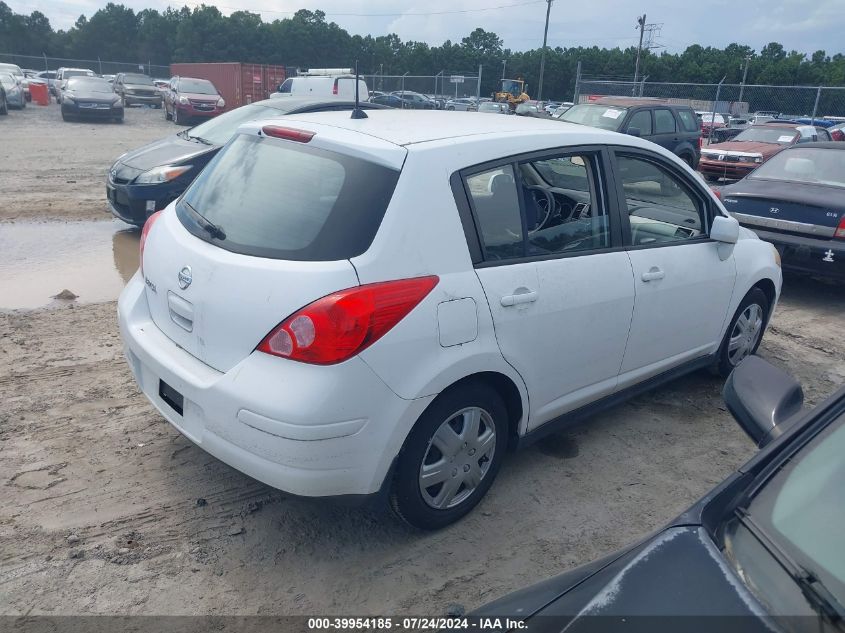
[
  {"x": 291, "y": 103},
  {"x": 820, "y": 145},
  {"x": 632, "y": 101},
  {"x": 401, "y": 127}
]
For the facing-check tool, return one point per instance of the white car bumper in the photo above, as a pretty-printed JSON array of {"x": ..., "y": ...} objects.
[{"x": 305, "y": 429}]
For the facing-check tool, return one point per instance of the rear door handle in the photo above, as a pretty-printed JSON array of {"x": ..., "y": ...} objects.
[
  {"x": 653, "y": 274},
  {"x": 521, "y": 295}
]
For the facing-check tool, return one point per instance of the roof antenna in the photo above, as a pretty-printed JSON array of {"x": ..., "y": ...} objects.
[{"x": 357, "y": 112}]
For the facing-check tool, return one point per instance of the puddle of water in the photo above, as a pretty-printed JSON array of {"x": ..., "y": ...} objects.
[{"x": 92, "y": 259}]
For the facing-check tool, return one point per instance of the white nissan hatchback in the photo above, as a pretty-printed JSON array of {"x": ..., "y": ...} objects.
[{"x": 382, "y": 306}]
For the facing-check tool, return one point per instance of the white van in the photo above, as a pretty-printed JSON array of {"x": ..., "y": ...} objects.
[{"x": 321, "y": 86}]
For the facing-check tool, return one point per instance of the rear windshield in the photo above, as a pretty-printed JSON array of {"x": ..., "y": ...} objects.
[
  {"x": 286, "y": 200},
  {"x": 781, "y": 135},
  {"x": 594, "y": 115},
  {"x": 78, "y": 73},
  {"x": 819, "y": 166}
]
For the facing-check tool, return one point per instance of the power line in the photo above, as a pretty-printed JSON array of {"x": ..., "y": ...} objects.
[{"x": 372, "y": 15}]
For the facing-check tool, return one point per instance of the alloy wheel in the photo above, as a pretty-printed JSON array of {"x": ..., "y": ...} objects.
[
  {"x": 458, "y": 458},
  {"x": 746, "y": 333}
]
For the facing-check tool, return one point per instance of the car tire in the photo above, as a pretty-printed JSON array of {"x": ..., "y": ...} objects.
[
  {"x": 23, "y": 103},
  {"x": 175, "y": 116},
  {"x": 452, "y": 108},
  {"x": 65, "y": 117},
  {"x": 745, "y": 332},
  {"x": 468, "y": 463},
  {"x": 5, "y": 109},
  {"x": 166, "y": 114}
]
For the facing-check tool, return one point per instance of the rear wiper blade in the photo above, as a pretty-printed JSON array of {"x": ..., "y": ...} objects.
[
  {"x": 207, "y": 225},
  {"x": 808, "y": 582},
  {"x": 202, "y": 140}
]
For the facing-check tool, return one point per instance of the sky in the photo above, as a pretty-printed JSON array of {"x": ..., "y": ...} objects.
[{"x": 803, "y": 25}]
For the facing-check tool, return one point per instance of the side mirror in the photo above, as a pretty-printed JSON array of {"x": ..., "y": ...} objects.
[
  {"x": 762, "y": 398},
  {"x": 634, "y": 131},
  {"x": 725, "y": 229}
]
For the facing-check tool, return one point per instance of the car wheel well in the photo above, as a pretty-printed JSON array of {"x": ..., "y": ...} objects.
[
  {"x": 508, "y": 391},
  {"x": 768, "y": 288}
]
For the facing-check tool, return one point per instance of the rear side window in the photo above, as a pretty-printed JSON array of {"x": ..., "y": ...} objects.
[
  {"x": 689, "y": 120},
  {"x": 496, "y": 202},
  {"x": 664, "y": 122},
  {"x": 286, "y": 200}
]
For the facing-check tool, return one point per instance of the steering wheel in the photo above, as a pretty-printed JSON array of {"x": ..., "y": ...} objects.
[{"x": 546, "y": 203}]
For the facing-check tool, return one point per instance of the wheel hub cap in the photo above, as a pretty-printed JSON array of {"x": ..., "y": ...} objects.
[
  {"x": 457, "y": 458},
  {"x": 746, "y": 333}
]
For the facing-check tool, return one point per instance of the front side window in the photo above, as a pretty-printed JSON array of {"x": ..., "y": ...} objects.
[
  {"x": 661, "y": 207},
  {"x": 642, "y": 121}
]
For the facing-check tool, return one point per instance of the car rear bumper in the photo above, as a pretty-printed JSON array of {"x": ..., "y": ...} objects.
[
  {"x": 818, "y": 256},
  {"x": 721, "y": 169},
  {"x": 308, "y": 430}
]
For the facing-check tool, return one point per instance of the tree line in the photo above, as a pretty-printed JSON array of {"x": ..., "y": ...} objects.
[{"x": 307, "y": 39}]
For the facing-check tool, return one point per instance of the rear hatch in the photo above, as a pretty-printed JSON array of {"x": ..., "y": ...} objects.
[{"x": 290, "y": 214}]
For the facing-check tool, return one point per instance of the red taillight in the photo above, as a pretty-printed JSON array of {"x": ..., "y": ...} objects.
[
  {"x": 288, "y": 133},
  {"x": 700, "y": 142},
  {"x": 345, "y": 323},
  {"x": 144, "y": 232},
  {"x": 840, "y": 229},
  {"x": 716, "y": 192}
]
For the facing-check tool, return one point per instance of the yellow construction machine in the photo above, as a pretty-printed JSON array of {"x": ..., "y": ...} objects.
[{"x": 513, "y": 92}]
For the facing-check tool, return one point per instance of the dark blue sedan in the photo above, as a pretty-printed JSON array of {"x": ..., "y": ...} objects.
[{"x": 796, "y": 201}]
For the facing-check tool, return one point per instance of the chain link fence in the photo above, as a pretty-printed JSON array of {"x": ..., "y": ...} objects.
[
  {"x": 442, "y": 85},
  {"x": 46, "y": 62},
  {"x": 734, "y": 99}
]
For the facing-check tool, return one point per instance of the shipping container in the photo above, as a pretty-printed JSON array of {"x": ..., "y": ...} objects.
[{"x": 238, "y": 83}]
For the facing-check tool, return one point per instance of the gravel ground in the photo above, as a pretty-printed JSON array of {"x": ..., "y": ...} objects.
[
  {"x": 106, "y": 509},
  {"x": 57, "y": 169}
]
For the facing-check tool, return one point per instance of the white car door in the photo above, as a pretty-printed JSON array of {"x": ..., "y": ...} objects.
[
  {"x": 683, "y": 286},
  {"x": 561, "y": 297}
]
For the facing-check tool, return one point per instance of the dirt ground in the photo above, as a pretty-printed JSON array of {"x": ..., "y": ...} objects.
[{"x": 107, "y": 509}]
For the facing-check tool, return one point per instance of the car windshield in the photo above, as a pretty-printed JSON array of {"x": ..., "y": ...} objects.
[
  {"x": 89, "y": 84},
  {"x": 595, "y": 115},
  {"x": 490, "y": 107},
  {"x": 197, "y": 86},
  {"x": 141, "y": 80},
  {"x": 7, "y": 80},
  {"x": 285, "y": 200},
  {"x": 805, "y": 165},
  {"x": 783, "y": 136},
  {"x": 78, "y": 73},
  {"x": 11, "y": 69},
  {"x": 708, "y": 117},
  {"x": 222, "y": 128},
  {"x": 802, "y": 508}
]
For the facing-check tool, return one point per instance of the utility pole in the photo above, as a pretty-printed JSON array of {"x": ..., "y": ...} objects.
[
  {"x": 504, "y": 65},
  {"x": 543, "y": 54},
  {"x": 641, "y": 27},
  {"x": 744, "y": 75}
]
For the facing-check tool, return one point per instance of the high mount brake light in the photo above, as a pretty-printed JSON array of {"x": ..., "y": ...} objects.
[
  {"x": 340, "y": 325},
  {"x": 144, "y": 232},
  {"x": 288, "y": 133}
]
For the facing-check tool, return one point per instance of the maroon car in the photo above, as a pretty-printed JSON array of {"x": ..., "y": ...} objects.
[
  {"x": 752, "y": 147},
  {"x": 188, "y": 98}
]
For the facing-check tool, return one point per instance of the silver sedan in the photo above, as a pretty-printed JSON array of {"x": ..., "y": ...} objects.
[{"x": 15, "y": 96}]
